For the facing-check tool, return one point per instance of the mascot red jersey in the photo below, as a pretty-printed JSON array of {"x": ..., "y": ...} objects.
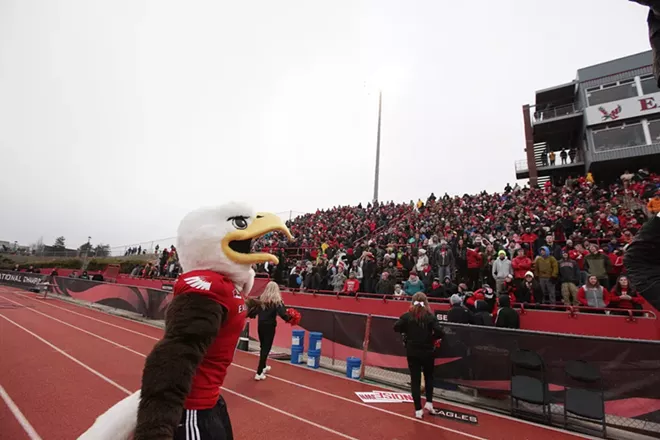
[{"x": 180, "y": 394}]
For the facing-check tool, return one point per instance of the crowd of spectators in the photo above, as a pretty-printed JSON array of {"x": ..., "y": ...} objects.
[
  {"x": 166, "y": 265},
  {"x": 542, "y": 245}
]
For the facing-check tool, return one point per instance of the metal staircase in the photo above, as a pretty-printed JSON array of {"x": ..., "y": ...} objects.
[{"x": 539, "y": 150}]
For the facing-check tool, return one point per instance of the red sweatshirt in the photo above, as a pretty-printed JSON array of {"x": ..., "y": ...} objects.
[
  {"x": 351, "y": 286},
  {"x": 616, "y": 301}
]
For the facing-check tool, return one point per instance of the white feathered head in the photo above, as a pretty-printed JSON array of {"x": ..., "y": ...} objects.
[{"x": 220, "y": 239}]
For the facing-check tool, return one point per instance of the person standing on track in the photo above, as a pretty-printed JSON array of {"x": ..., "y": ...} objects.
[
  {"x": 421, "y": 330},
  {"x": 267, "y": 309}
]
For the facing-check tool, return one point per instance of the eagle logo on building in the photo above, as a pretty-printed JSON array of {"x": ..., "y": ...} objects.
[{"x": 614, "y": 114}]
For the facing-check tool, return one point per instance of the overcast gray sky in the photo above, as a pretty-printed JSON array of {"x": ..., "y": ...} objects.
[{"x": 118, "y": 117}]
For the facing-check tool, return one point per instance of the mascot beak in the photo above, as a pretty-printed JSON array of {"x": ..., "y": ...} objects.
[{"x": 237, "y": 244}]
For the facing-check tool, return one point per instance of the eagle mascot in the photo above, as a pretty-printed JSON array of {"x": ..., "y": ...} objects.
[{"x": 180, "y": 393}]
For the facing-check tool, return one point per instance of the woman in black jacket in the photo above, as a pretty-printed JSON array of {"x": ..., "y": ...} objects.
[
  {"x": 267, "y": 308},
  {"x": 421, "y": 329}
]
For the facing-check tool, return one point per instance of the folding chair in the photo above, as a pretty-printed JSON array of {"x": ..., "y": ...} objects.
[
  {"x": 529, "y": 384},
  {"x": 586, "y": 399}
]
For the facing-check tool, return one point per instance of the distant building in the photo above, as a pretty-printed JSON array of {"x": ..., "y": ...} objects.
[
  {"x": 609, "y": 117},
  {"x": 53, "y": 251}
]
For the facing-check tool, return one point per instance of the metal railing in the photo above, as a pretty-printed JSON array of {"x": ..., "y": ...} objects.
[
  {"x": 555, "y": 112},
  {"x": 521, "y": 166}
]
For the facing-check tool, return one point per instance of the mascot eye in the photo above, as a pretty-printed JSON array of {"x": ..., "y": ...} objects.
[{"x": 239, "y": 222}]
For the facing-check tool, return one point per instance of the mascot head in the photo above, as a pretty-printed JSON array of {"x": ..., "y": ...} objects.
[{"x": 220, "y": 239}]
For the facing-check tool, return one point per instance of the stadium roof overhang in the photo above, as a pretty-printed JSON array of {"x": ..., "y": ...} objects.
[{"x": 563, "y": 94}]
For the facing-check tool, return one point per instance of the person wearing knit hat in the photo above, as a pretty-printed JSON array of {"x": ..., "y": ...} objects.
[
  {"x": 501, "y": 269},
  {"x": 457, "y": 313},
  {"x": 529, "y": 290}
]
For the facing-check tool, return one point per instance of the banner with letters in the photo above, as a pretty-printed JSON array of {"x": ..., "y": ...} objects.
[
  {"x": 623, "y": 109},
  {"x": 23, "y": 280}
]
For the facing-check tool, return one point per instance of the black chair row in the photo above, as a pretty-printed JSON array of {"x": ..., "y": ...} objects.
[{"x": 584, "y": 398}]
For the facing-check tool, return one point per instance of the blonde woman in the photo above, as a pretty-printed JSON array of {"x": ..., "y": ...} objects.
[
  {"x": 267, "y": 308},
  {"x": 421, "y": 329}
]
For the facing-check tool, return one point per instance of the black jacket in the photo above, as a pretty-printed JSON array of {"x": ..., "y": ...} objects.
[
  {"x": 642, "y": 262},
  {"x": 569, "y": 272},
  {"x": 419, "y": 336},
  {"x": 525, "y": 294},
  {"x": 385, "y": 287},
  {"x": 459, "y": 314},
  {"x": 506, "y": 316},
  {"x": 483, "y": 316},
  {"x": 268, "y": 315}
]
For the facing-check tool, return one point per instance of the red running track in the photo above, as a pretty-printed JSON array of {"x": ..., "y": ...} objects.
[{"x": 63, "y": 365}]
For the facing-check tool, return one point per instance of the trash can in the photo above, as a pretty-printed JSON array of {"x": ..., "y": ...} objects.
[
  {"x": 315, "y": 339},
  {"x": 298, "y": 339},
  {"x": 353, "y": 367},
  {"x": 313, "y": 358},
  {"x": 296, "y": 354}
]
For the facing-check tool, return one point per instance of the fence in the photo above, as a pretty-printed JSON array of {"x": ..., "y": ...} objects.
[
  {"x": 475, "y": 360},
  {"x": 470, "y": 358}
]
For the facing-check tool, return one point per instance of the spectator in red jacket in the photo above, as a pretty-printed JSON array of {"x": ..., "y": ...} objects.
[
  {"x": 485, "y": 294},
  {"x": 616, "y": 266},
  {"x": 521, "y": 265},
  {"x": 474, "y": 263},
  {"x": 510, "y": 287},
  {"x": 578, "y": 255},
  {"x": 624, "y": 296}
]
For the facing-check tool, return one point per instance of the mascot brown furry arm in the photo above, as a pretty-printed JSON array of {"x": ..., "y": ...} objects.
[{"x": 180, "y": 394}]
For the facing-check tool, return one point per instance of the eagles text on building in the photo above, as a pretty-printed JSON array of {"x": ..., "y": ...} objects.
[{"x": 605, "y": 121}]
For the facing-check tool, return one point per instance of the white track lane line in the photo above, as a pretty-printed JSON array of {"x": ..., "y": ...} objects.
[
  {"x": 63, "y": 353},
  {"x": 29, "y": 430},
  {"x": 435, "y": 400},
  {"x": 290, "y": 415},
  {"x": 95, "y": 319},
  {"x": 346, "y": 399},
  {"x": 111, "y": 382},
  {"x": 295, "y": 384},
  {"x": 82, "y": 330}
]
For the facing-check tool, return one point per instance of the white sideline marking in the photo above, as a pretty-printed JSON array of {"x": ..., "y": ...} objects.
[
  {"x": 325, "y": 428},
  {"x": 96, "y": 319},
  {"x": 63, "y": 353},
  {"x": 29, "y": 430},
  {"x": 82, "y": 330},
  {"x": 392, "y": 413},
  {"x": 111, "y": 382},
  {"x": 435, "y": 400}
]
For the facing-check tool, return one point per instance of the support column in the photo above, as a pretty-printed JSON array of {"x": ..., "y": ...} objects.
[
  {"x": 529, "y": 147},
  {"x": 647, "y": 132},
  {"x": 638, "y": 86}
]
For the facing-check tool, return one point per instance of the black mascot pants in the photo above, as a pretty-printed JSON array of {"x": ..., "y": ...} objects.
[
  {"x": 205, "y": 424},
  {"x": 266, "y": 337},
  {"x": 418, "y": 363}
]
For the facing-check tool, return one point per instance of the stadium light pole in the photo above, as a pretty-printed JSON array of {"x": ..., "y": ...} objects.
[{"x": 380, "y": 109}]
